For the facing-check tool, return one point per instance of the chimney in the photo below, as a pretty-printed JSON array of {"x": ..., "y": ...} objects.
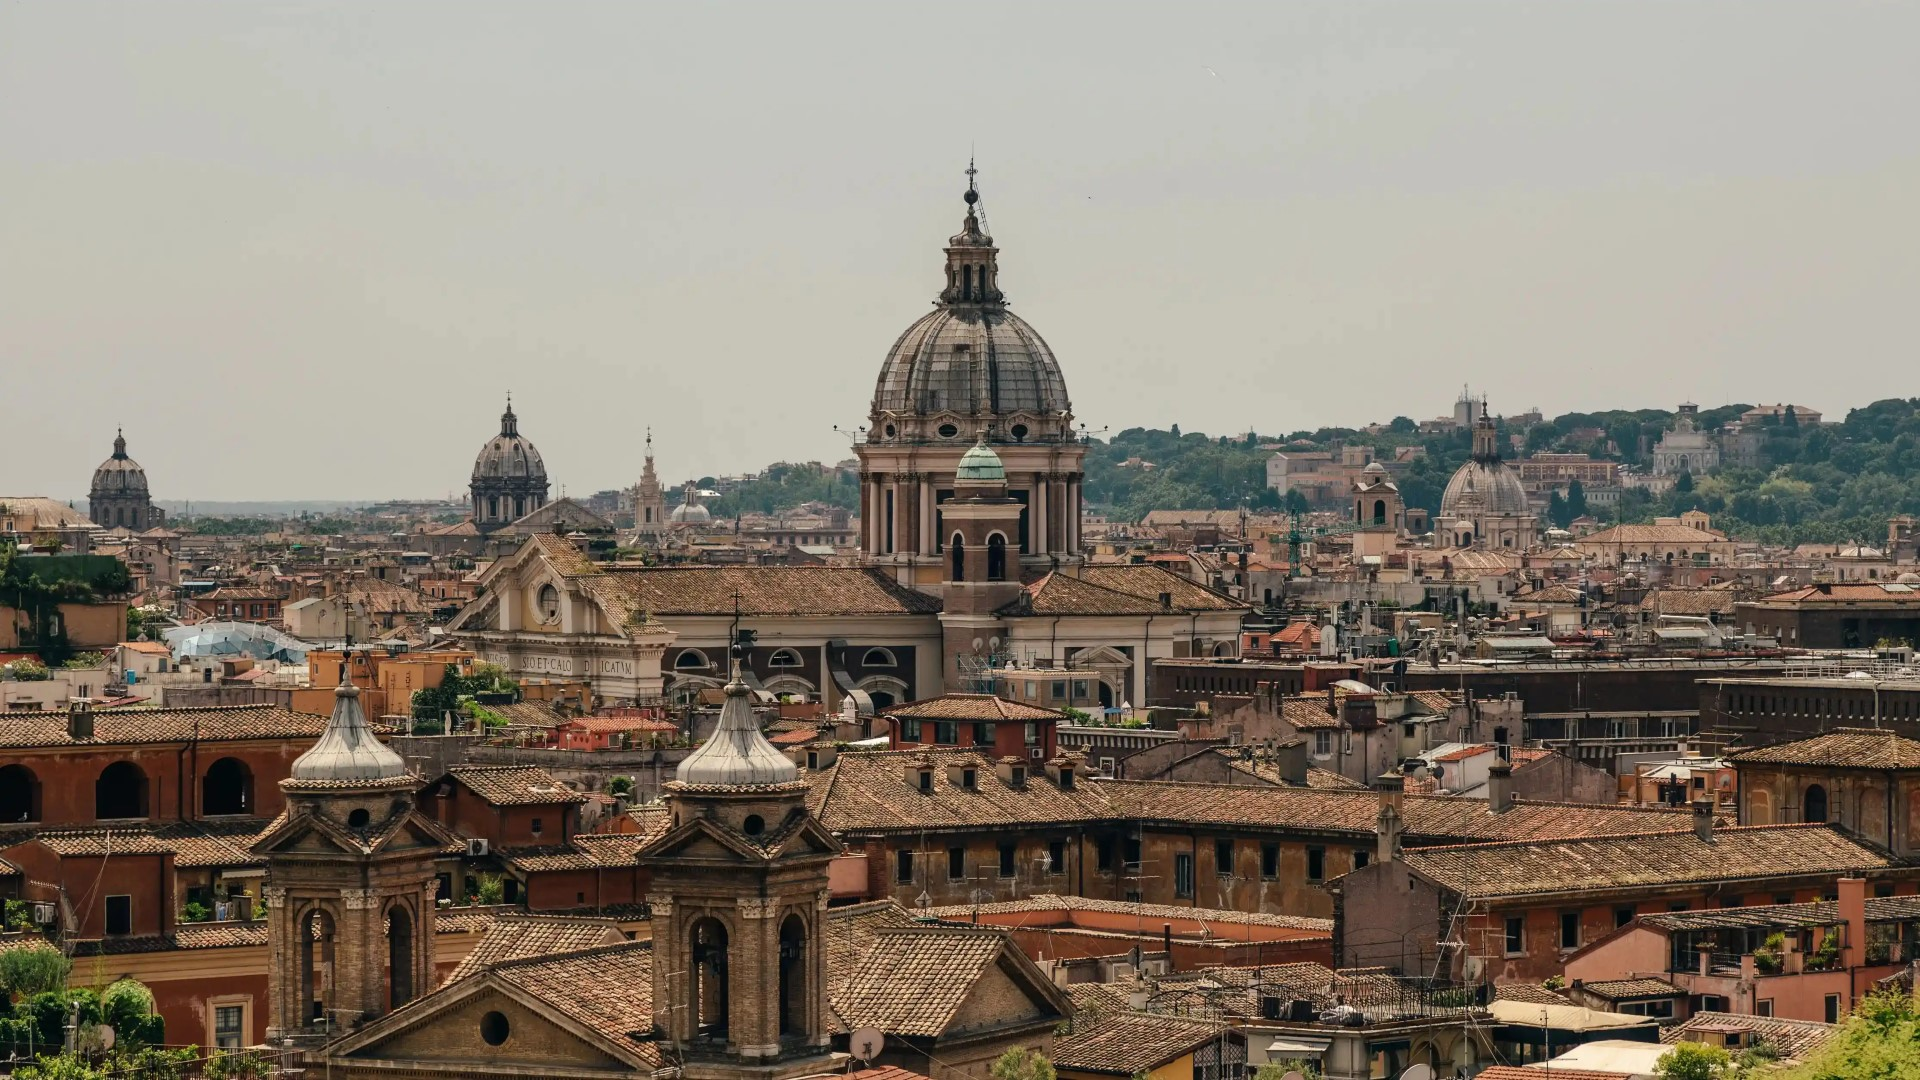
[
  {"x": 1386, "y": 825},
  {"x": 1333, "y": 701},
  {"x": 1291, "y": 760},
  {"x": 1703, "y": 820},
  {"x": 1853, "y": 912},
  {"x": 80, "y": 719},
  {"x": 1500, "y": 788}
]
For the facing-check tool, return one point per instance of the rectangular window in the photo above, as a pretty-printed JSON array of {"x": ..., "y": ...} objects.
[
  {"x": 1516, "y": 935},
  {"x": 1056, "y": 856},
  {"x": 1059, "y": 689},
  {"x": 1763, "y": 1007},
  {"x": 1833, "y": 1008},
  {"x": 1270, "y": 861},
  {"x": 1079, "y": 689},
  {"x": 1622, "y": 916},
  {"x": 1006, "y": 860},
  {"x": 903, "y": 866},
  {"x": 1130, "y": 851},
  {"x": 1223, "y": 857},
  {"x": 536, "y": 827},
  {"x": 1323, "y": 744},
  {"x": 969, "y": 779},
  {"x": 1183, "y": 875},
  {"x": 926, "y": 781},
  {"x": 1569, "y": 930},
  {"x": 1033, "y": 734},
  {"x": 229, "y": 1026},
  {"x": 956, "y": 863},
  {"x": 1103, "y": 854},
  {"x": 1361, "y": 856},
  {"x": 983, "y": 734},
  {"x": 910, "y": 731},
  {"x": 944, "y": 732},
  {"x": 119, "y": 914},
  {"x": 1316, "y": 863}
]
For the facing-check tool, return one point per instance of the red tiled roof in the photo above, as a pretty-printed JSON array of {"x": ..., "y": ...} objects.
[{"x": 971, "y": 707}]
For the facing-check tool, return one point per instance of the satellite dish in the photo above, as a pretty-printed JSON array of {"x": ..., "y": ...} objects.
[
  {"x": 1418, "y": 1072},
  {"x": 993, "y": 643},
  {"x": 976, "y": 644},
  {"x": 1293, "y": 1074},
  {"x": 104, "y": 1033},
  {"x": 866, "y": 1043}
]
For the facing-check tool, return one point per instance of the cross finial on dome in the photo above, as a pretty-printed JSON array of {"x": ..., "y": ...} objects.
[{"x": 509, "y": 424}]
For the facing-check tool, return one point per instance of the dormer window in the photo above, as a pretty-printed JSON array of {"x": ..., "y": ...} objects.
[
  {"x": 926, "y": 781},
  {"x": 1066, "y": 779},
  {"x": 1019, "y": 775},
  {"x": 784, "y": 658},
  {"x": 968, "y": 779}
]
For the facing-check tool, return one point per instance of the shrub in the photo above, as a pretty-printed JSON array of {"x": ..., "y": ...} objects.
[
  {"x": 33, "y": 971},
  {"x": 27, "y": 669}
]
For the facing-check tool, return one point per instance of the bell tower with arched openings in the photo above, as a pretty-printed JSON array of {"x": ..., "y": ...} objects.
[
  {"x": 739, "y": 904},
  {"x": 350, "y": 884}
]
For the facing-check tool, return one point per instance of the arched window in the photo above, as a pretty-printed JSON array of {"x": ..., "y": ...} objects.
[
  {"x": 227, "y": 788},
  {"x": 519, "y": 507},
  {"x": 878, "y": 658},
  {"x": 784, "y": 658},
  {"x": 399, "y": 957},
  {"x": 996, "y": 558},
  {"x": 121, "y": 792},
  {"x": 708, "y": 972},
  {"x": 1815, "y": 804},
  {"x": 691, "y": 660},
  {"x": 19, "y": 795},
  {"x": 1379, "y": 511},
  {"x": 493, "y": 508},
  {"x": 959, "y": 547},
  {"x": 314, "y": 939},
  {"x": 793, "y": 977}
]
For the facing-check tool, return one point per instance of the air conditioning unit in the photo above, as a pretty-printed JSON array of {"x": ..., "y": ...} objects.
[
  {"x": 43, "y": 914},
  {"x": 476, "y": 848},
  {"x": 1033, "y": 752}
]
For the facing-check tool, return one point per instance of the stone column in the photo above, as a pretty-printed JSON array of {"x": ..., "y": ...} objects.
[
  {"x": 754, "y": 980},
  {"x": 1037, "y": 530}
]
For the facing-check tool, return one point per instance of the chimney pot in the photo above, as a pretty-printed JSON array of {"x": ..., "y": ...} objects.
[
  {"x": 80, "y": 719},
  {"x": 1500, "y": 788},
  {"x": 1703, "y": 820}
]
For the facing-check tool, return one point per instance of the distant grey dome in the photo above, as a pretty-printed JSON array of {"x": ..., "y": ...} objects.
[
  {"x": 509, "y": 454},
  {"x": 348, "y": 749},
  {"x": 119, "y": 475},
  {"x": 690, "y": 512},
  {"x": 736, "y": 754},
  {"x": 971, "y": 359},
  {"x": 1484, "y": 487}
]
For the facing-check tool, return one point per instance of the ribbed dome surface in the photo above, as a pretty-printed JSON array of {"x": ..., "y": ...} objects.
[
  {"x": 348, "y": 749},
  {"x": 509, "y": 454},
  {"x": 971, "y": 359},
  {"x": 737, "y": 753},
  {"x": 119, "y": 474},
  {"x": 1484, "y": 487}
]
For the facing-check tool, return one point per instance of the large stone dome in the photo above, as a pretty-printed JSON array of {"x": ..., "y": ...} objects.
[
  {"x": 1481, "y": 487},
  {"x": 970, "y": 364},
  {"x": 510, "y": 455},
  {"x": 119, "y": 475}
]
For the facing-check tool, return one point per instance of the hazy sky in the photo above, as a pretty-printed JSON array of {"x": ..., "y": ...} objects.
[{"x": 303, "y": 250}]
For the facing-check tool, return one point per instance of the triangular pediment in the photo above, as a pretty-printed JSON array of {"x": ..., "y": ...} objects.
[
  {"x": 701, "y": 838},
  {"x": 457, "y": 1027}
]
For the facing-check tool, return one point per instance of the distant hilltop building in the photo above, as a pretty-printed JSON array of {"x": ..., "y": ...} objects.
[
  {"x": 119, "y": 497},
  {"x": 1685, "y": 448},
  {"x": 1485, "y": 503},
  {"x": 1761, "y": 414},
  {"x": 509, "y": 479}
]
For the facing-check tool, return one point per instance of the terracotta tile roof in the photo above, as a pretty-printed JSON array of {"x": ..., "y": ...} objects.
[
  {"x": 913, "y": 980},
  {"x": 1429, "y": 819},
  {"x": 1053, "y": 902},
  {"x": 1848, "y": 592},
  {"x": 128, "y": 727},
  {"x": 538, "y": 714},
  {"x": 1269, "y": 770},
  {"x": 1534, "y": 992},
  {"x": 1119, "y": 590},
  {"x": 1522, "y": 1072},
  {"x": 796, "y": 737},
  {"x": 469, "y": 920},
  {"x": 220, "y": 935},
  {"x": 1597, "y": 863},
  {"x": 515, "y": 785},
  {"x": 602, "y": 725},
  {"x": 150, "y": 648},
  {"x": 1622, "y": 989},
  {"x": 1680, "y": 535},
  {"x": 563, "y": 554},
  {"x": 608, "y": 989},
  {"x": 868, "y": 791},
  {"x": 850, "y": 933},
  {"x": 517, "y": 937},
  {"x": 1125, "y": 1044},
  {"x": 883, "y": 1072},
  {"x": 972, "y": 707},
  {"x": 596, "y": 851},
  {"x": 1841, "y": 748},
  {"x": 191, "y": 844},
  {"x": 763, "y": 591},
  {"x": 1793, "y": 1038}
]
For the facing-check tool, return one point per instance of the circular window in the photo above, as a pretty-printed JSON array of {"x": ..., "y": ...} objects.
[
  {"x": 948, "y": 431},
  {"x": 754, "y": 825},
  {"x": 549, "y": 603},
  {"x": 889, "y": 430},
  {"x": 494, "y": 1028},
  {"x": 358, "y": 819},
  {"x": 1020, "y": 432}
]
